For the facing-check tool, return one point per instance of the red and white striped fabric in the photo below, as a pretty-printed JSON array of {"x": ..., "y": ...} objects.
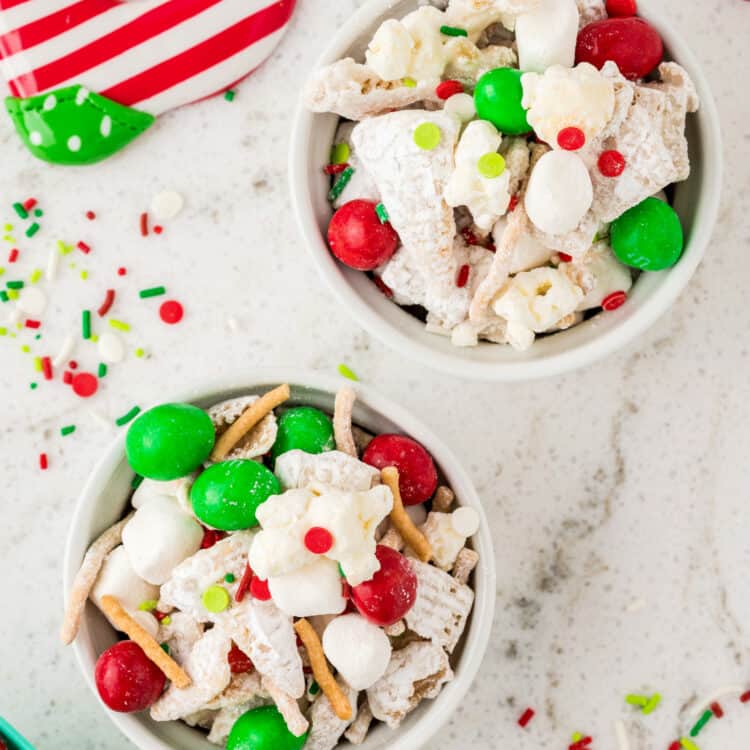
[{"x": 153, "y": 55}]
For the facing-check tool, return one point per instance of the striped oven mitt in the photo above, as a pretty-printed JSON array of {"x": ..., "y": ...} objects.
[{"x": 89, "y": 76}]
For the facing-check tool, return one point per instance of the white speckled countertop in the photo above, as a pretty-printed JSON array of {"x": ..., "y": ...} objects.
[{"x": 617, "y": 494}]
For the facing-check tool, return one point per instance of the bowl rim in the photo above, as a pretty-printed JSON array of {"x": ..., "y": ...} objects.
[
  {"x": 589, "y": 352},
  {"x": 476, "y": 639}
]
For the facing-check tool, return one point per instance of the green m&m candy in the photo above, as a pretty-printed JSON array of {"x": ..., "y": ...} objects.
[
  {"x": 648, "y": 236},
  {"x": 263, "y": 729},
  {"x": 306, "y": 429},
  {"x": 226, "y": 495},
  {"x": 169, "y": 441},
  {"x": 498, "y": 96}
]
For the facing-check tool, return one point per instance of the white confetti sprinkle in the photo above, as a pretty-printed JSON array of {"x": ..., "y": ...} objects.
[
  {"x": 53, "y": 263},
  {"x": 49, "y": 103},
  {"x": 74, "y": 143},
  {"x": 622, "y": 736},
  {"x": 35, "y": 137},
  {"x": 33, "y": 301},
  {"x": 111, "y": 348},
  {"x": 106, "y": 127},
  {"x": 167, "y": 204},
  {"x": 65, "y": 350},
  {"x": 465, "y": 521}
]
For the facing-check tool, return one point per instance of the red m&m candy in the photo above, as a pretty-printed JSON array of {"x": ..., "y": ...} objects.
[
  {"x": 391, "y": 592},
  {"x": 127, "y": 680},
  {"x": 357, "y": 237},
  {"x": 622, "y": 8},
  {"x": 418, "y": 477}
]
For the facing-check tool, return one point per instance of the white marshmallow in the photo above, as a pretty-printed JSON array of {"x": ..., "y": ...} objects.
[
  {"x": 316, "y": 589},
  {"x": 461, "y": 106},
  {"x": 117, "y": 578},
  {"x": 559, "y": 193},
  {"x": 465, "y": 521},
  {"x": 159, "y": 537},
  {"x": 359, "y": 650},
  {"x": 547, "y": 35},
  {"x": 150, "y": 488}
]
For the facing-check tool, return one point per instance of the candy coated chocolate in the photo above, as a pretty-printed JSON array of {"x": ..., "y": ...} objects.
[
  {"x": 127, "y": 680},
  {"x": 498, "y": 96},
  {"x": 304, "y": 428},
  {"x": 263, "y": 729}
]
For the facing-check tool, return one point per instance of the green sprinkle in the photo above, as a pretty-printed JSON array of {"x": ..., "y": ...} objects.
[
  {"x": 86, "y": 324},
  {"x": 15, "y": 285},
  {"x": 33, "y": 386},
  {"x": 137, "y": 481},
  {"x": 13, "y": 294},
  {"x": 340, "y": 184},
  {"x": 382, "y": 213},
  {"x": 4, "y": 295},
  {"x": 94, "y": 338},
  {"x": 340, "y": 153},
  {"x": 68, "y": 430},
  {"x": 410, "y": 83},
  {"x": 650, "y": 707},
  {"x": 26, "y": 349},
  {"x": 102, "y": 371},
  {"x": 125, "y": 418},
  {"x": 2, "y": 270},
  {"x": 491, "y": 165},
  {"x": 37, "y": 337},
  {"x": 21, "y": 211},
  {"x": 577, "y": 736},
  {"x": 8, "y": 227},
  {"x": 166, "y": 620},
  {"x": 341, "y": 571},
  {"x": 636, "y": 700},
  {"x": 38, "y": 213},
  {"x": 453, "y": 31},
  {"x": 347, "y": 372},
  {"x": 32, "y": 230},
  {"x": 139, "y": 352},
  {"x": 63, "y": 248},
  {"x": 427, "y": 136},
  {"x": 229, "y": 578},
  {"x": 707, "y": 716},
  {"x": 215, "y": 599},
  {"x": 314, "y": 688},
  {"x": 688, "y": 745},
  {"x": 154, "y": 291},
  {"x": 37, "y": 363},
  {"x": 229, "y": 95},
  {"x": 3, "y": 331},
  {"x": 36, "y": 274},
  {"x": 148, "y": 605},
  {"x": 165, "y": 648},
  {"x": 118, "y": 325},
  {"x": 84, "y": 275}
]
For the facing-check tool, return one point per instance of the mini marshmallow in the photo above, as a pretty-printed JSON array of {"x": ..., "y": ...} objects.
[
  {"x": 461, "y": 106},
  {"x": 579, "y": 97},
  {"x": 547, "y": 35},
  {"x": 150, "y": 488},
  {"x": 465, "y": 521},
  {"x": 159, "y": 537},
  {"x": 359, "y": 650},
  {"x": 117, "y": 578},
  {"x": 316, "y": 589},
  {"x": 486, "y": 197},
  {"x": 559, "y": 193}
]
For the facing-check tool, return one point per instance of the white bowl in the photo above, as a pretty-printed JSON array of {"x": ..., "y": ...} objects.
[
  {"x": 106, "y": 494},
  {"x": 696, "y": 201}
]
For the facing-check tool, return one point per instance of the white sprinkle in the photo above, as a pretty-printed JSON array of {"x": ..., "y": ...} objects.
[
  {"x": 462, "y": 106},
  {"x": 111, "y": 348},
  {"x": 81, "y": 95},
  {"x": 32, "y": 301},
  {"x": 699, "y": 707},
  {"x": 636, "y": 606},
  {"x": 35, "y": 137},
  {"x": 14, "y": 316},
  {"x": 106, "y": 127},
  {"x": 53, "y": 263},
  {"x": 97, "y": 416},
  {"x": 167, "y": 204},
  {"x": 49, "y": 103},
  {"x": 74, "y": 143},
  {"x": 465, "y": 521},
  {"x": 68, "y": 345},
  {"x": 622, "y": 737}
]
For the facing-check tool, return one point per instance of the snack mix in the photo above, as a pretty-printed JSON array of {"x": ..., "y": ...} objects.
[
  {"x": 284, "y": 578},
  {"x": 500, "y": 165}
]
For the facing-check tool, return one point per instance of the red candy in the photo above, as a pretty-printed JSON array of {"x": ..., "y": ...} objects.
[
  {"x": 447, "y": 89},
  {"x": 632, "y": 43},
  {"x": 239, "y": 663},
  {"x": 127, "y": 680},
  {"x": 622, "y": 8},
  {"x": 259, "y": 589},
  {"x": 614, "y": 300},
  {"x": 85, "y": 384},
  {"x": 416, "y": 470},
  {"x": 171, "y": 312},
  {"x": 611, "y": 163},
  {"x": 571, "y": 139},
  {"x": 318, "y": 540},
  {"x": 462, "y": 278},
  {"x": 391, "y": 593},
  {"x": 357, "y": 237},
  {"x": 210, "y": 537}
]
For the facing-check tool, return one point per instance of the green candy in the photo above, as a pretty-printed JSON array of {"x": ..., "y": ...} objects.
[
  {"x": 169, "y": 441},
  {"x": 226, "y": 495},
  {"x": 648, "y": 236},
  {"x": 263, "y": 729},
  {"x": 498, "y": 96},
  {"x": 306, "y": 429}
]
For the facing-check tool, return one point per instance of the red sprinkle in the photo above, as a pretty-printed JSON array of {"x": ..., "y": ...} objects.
[
  {"x": 158, "y": 229},
  {"x": 159, "y": 615},
  {"x": 239, "y": 662},
  {"x": 144, "y": 225},
  {"x": 13, "y": 255},
  {"x": 259, "y": 589},
  {"x": 526, "y": 717},
  {"x": 318, "y": 540},
  {"x": 90, "y": 215},
  {"x": 109, "y": 299},
  {"x": 717, "y": 710},
  {"x": 581, "y": 743},
  {"x": 447, "y": 89},
  {"x": 83, "y": 247},
  {"x": 307, "y": 670},
  {"x": 47, "y": 368},
  {"x": 745, "y": 697},
  {"x": 73, "y": 364},
  {"x": 622, "y": 8},
  {"x": 611, "y": 163},
  {"x": 675, "y": 745},
  {"x": 463, "y": 276},
  {"x": 384, "y": 288},
  {"x": 571, "y": 139},
  {"x": 171, "y": 312},
  {"x": 85, "y": 384},
  {"x": 121, "y": 271},
  {"x": 614, "y": 300},
  {"x": 67, "y": 377},
  {"x": 513, "y": 203},
  {"x": 565, "y": 258},
  {"x": 210, "y": 537},
  {"x": 43, "y": 463},
  {"x": 29, "y": 203},
  {"x": 32, "y": 323},
  {"x": 346, "y": 589},
  {"x": 334, "y": 168},
  {"x": 244, "y": 584}
]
